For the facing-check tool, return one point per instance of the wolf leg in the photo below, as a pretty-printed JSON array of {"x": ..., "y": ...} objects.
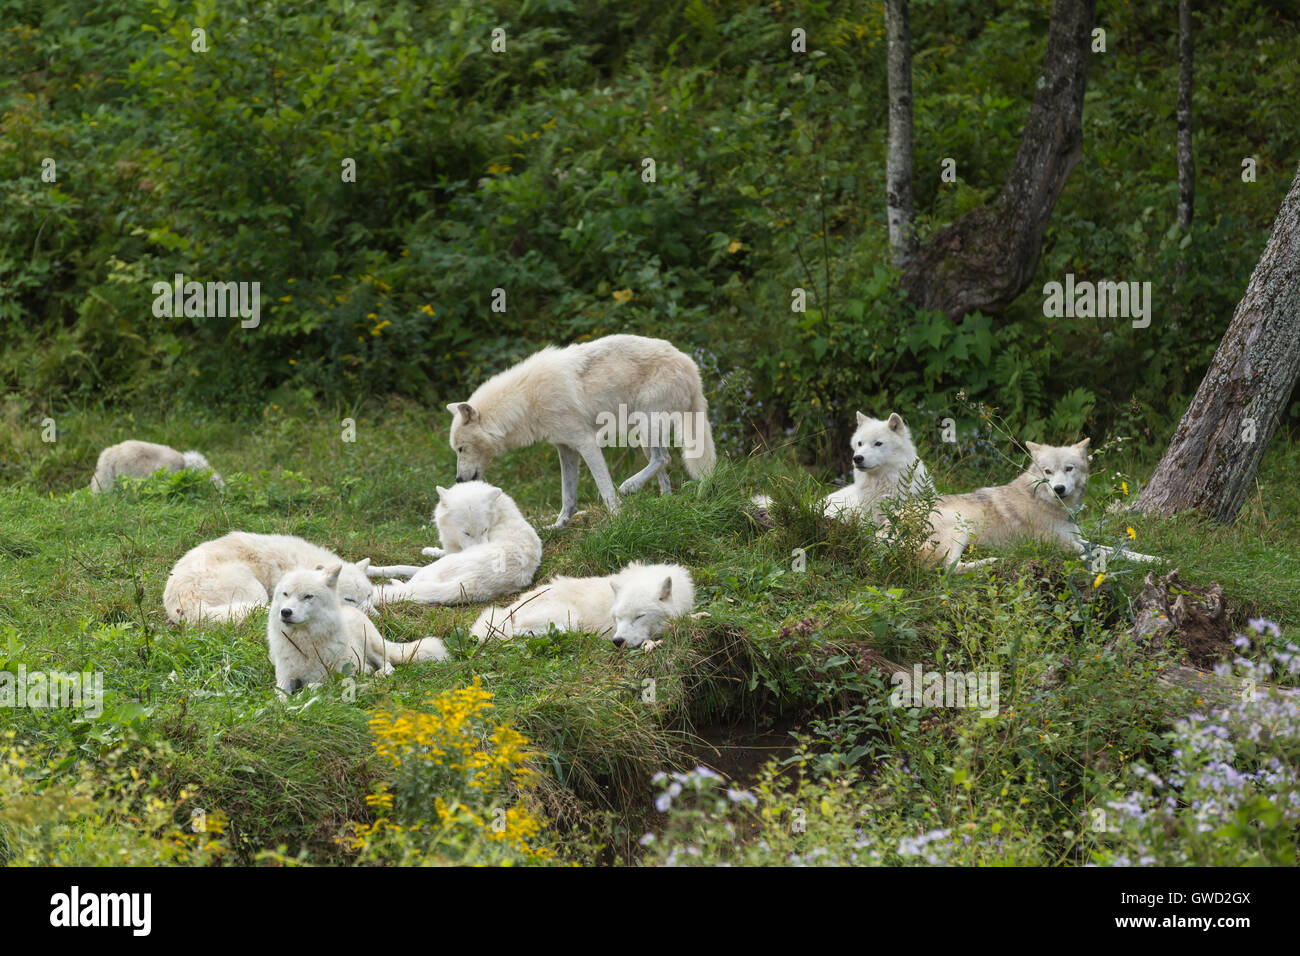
[
  {"x": 591, "y": 454},
  {"x": 658, "y": 461},
  {"x": 569, "y": 460},
  {"x": 394, "y": 571}
]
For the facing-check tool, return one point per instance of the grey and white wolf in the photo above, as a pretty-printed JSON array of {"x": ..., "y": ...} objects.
[
  {"x": 488, "y": 549},
  {"x": 311, "y": 634},
  {"x": 138, "y": 459},
  {"x": 1039, "y": 504},
  {"x": 628, "y": 608},
  {"x": 885, "y": 465},
  {"x": 575, "y": 398},
  {"x": 227, "y": 578}
]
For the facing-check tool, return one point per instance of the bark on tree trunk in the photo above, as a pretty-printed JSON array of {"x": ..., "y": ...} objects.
[
  {"x": 988, "y": 256},
  {"x": 1186, "y": 164},
  {"x": 898, "y": 162},
  {"x": 1217, "y": 447}
]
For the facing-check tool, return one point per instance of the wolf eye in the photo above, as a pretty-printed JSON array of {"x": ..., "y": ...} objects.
[
  {"x": 1069, "y": 468},
  {"x": 308, "y": 597},
  {"x": 1047, "y": 471},
  {"x": 879, "y": 443}
]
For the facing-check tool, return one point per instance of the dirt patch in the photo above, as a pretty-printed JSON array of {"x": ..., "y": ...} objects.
[
  {"x": 739, "y": 752},
  {"x": 1194, "y": 620}
]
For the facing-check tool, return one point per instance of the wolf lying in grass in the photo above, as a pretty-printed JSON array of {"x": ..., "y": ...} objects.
[
  {"x": 568, "y": 397},
  {"x": 139, "y": 459},
  {"x": 488, "y": 549},
  {"x": 226, "y": 579},
  {"x": 311, "y": 635},
  {"x": 1039, "y": 504},
  {"x": 629, "y": 608},
  {"x": 885, "y": 465}
]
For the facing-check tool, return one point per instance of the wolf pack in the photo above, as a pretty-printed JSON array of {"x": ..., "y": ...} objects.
[{"x": 319, "y": 606}]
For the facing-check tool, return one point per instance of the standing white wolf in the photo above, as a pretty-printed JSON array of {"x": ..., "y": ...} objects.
[
  {"x": 139, "y": 459},
  {"x": 311, "y": 635},
  {"x": 488, "y": 549},
  {"x": 629, "y": 608},
  {"x": 226, "y": 579},
  {"x": 577, "y": 398},
  {"x": 1039, "y": 504},
  {"x": 885, "y": 465}
]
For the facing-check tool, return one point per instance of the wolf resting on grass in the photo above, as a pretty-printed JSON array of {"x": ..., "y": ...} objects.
[
  {"x": 228, "y": 578},
  {"x": 574, "y": 398},
  {"x": 628, "y": 608},
  {"x": 311, "y": 635},
  {"x": 884, "y": 457},
  {"x": 488, "y": 549},
  {"x": 138, "y": 459},
  {"x": 1039, "y": 504}
]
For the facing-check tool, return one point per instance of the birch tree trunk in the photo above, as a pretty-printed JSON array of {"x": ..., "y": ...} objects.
[
  {"x": 1216, "y": 449},
  {"x": 986, "y": 258},
  {"x": 898, "y": 162},
  {"x": 1186, "y": 164}
]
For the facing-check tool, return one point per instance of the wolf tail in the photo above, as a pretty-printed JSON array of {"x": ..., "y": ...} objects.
[
  {"x": 701, "y": 462},
  {"x": 425, "y": 649},
  {"x": 424, "y": 592}
]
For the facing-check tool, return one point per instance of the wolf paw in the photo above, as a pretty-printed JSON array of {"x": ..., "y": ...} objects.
[{"x": 433, "y": 552}]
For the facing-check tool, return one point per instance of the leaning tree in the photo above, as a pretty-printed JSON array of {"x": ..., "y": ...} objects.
[
  {"x": 1217, "y": 447},
  {"x": 987, "y": 258}
]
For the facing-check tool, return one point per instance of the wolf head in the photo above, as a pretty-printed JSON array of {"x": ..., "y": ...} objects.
[
  {"x": 474, "y": 444},
  {"x": 302, "y": 595},
  {"x": 646, "y": 597},
  {"x": 879, "y": 443},
  {"x": 354, "y": 586},
  {"x": 466, "y": 513},
  {"x": 195, "y": 461},
  {"x": 1059, "y": 472}
]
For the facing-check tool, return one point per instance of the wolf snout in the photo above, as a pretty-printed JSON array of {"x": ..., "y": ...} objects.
[
  {"x": 859, "y": 461},
  {"x": 619, "y": 642},
  {"x": 286, "y": 613},
  {"x": 1060, "y": 490}
]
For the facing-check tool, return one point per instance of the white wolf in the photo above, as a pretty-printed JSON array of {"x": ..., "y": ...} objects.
[
  {"x": 884, "y": 457},
  {"x": 138, "y": 459},
  {"x": 226, "y": 579},
  {"x": 577, "y": 398},
  {"x": 311, "y": 635},
  {"x": 1039, "y": 504},
  {"x": 629, "y": 608},
  {"x": 488, "y": 549}
]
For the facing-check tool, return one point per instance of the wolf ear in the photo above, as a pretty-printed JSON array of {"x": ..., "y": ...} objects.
[
  {"x": 1080, "y": 446},
  {"x": 862, "y": 419},
  {"x": 363, "y": 564},
  {"x": 613, "y": 587},
  {"x": 332, "y": 575},
  {"x": 464, "y": 409},
  {"x": 895, "y": 422},
  {"x": 666, "y": 591},
  {"x": 1034, "y": 447},
  {"x": 442, "y": 492}
]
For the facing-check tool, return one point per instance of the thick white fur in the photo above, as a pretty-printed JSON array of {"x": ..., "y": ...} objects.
[
  {"x": 228, "y": 578},
  {"x": 1036, "y": 505},
  {"x": 883, "y": 455},
  {"x": 557, "y": 396},
  {"x": 488, "y": 549},
  {"x": 138, "y": 459},
  {"x": 629, "y": 608},
  {"x": 311, "y": 635}
]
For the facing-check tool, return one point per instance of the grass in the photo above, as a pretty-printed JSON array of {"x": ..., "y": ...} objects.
[{"x": 783, "y": 639}]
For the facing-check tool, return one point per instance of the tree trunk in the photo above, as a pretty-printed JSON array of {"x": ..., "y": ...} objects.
[
  {"x": 1217, "y": 447},
  {"x": 986, "y": 258},
  {"x": 1186, "y": 165},
  {"x": 898, "y": 163}
]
